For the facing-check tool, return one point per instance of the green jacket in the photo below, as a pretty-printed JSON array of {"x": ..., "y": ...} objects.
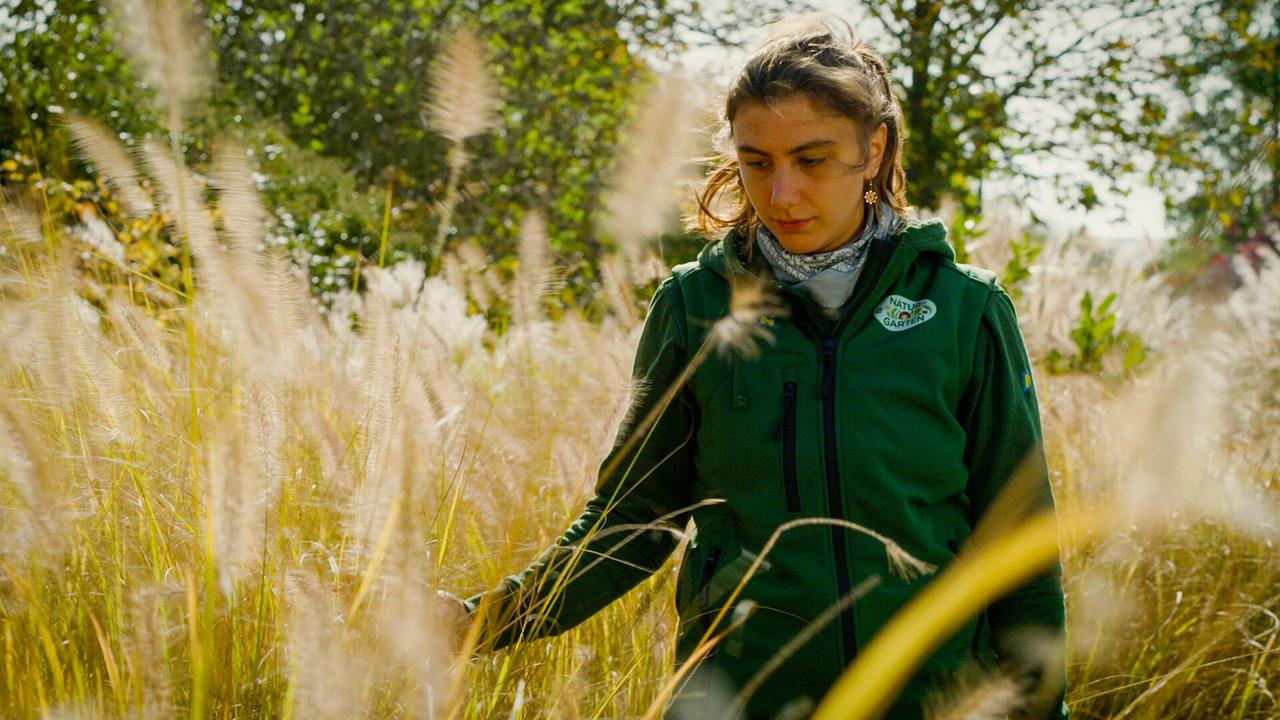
[{"x": 905, "y": 416}]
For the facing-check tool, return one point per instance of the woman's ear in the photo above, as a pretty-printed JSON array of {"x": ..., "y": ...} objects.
[{"x": 879, "y": 138}]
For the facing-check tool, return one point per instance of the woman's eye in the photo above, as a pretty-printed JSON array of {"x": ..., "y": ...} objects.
[
  {"x": 755, "y": 164},
  {"x": 811, "y": 162}
]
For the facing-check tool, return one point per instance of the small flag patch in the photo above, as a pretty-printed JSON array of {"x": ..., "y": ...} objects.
[{"x": 1026, "y": 381}]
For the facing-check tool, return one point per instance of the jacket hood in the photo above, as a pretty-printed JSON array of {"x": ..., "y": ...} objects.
[{"x": 725, "y": 256}]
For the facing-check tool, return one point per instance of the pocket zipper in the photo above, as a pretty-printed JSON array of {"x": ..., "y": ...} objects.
[{"x": 789, "y": 446}]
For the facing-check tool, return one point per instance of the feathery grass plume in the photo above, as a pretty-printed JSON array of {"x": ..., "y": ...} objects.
[
  {"x": 752, "y": 310},
  {"x": 464, "y": 97},
  {"x": 18, "y": 227},
  {"x": 35, "y": 528},
  {"x": 69, "y": 324},
  {"x": 180, "y": 193},
  {"x": 646, "y": 186},
  {"x": 414, "y": 639},
  {"x": 100, "y": 148},
  {"x": 163, "y": 38},
  {"x": 993, "y": 697},
  {"x": 473, "y": 262},
  {"x": 378, "y": 499},
  {"x": 647, "y": 268},
  {"x": 234, "y": 504},
  {"x": 1168, "y": 439},
  {"x": 266, "y": 322},
  {"x": 620, "y": 295},
  {"x": 328, "y": 677},
  {"x": 463, "y": 103},
  {"x": 146, "y": 649},
  {"x": 266, "y": 438},
  {"x": 451, "y": 270},
  {"x": 137, "y": 333},
  {"x": 111, "y": 384},
  {"x": 532, "y": 279}
]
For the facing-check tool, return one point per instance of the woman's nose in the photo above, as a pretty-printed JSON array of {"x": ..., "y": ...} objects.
[{"x": 785, "y": 193}]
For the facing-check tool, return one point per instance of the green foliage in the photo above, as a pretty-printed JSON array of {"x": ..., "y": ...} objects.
[
  {"x": 963, "y": 230},
  {"x": 1225, "y": 149},
  {"x": 1095, "y": 336},
  {"x": 565, "y": 71},
  {"x": 1205, "y": 113},
  {"x": 317, "y": 211},
  {"x": 118, "y": 249},
  {"x": 962, "y": 66},
  {"x": 1023, "y": 254},
  {"x": 57, "y": 58}
]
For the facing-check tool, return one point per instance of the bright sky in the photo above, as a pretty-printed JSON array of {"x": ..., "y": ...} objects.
[{"x": 1137, "y": 218}]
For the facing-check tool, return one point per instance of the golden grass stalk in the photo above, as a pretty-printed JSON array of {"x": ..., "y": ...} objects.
[
  {"x": 869, "y": 686},
  {"x": 784, "y": 653}
]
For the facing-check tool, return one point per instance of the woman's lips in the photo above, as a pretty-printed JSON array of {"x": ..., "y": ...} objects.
[{"x": 793, "y": 225}]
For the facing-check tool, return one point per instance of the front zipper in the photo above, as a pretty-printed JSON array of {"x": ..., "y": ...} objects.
[
  {"x": 835, "y": 500},
  {"x": 789, "y": 446}
]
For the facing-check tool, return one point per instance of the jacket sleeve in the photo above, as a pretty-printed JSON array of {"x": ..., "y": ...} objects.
[
  {"x": 1004, "y": 441},
  {"x": 629, "y": 527}
]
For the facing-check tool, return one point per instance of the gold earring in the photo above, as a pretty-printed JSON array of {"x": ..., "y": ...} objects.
[{"x": 870, "y": 197}]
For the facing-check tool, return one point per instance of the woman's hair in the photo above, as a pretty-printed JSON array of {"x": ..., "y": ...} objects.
[{"x": 825, "y": 61}]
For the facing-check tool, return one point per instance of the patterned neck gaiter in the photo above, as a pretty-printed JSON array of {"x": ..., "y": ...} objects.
[{"x": 828, "y": 278}]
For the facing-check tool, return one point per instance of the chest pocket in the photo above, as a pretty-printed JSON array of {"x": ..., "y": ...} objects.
[{"x": 752, "y": 430}]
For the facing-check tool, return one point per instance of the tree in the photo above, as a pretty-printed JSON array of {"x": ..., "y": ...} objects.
[
  {"x": 972, "y": 73},
  {"x": 1206, "y": 109}
]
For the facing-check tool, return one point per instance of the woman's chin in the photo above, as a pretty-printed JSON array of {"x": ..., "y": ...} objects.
[{"x": 800, "y": 243}]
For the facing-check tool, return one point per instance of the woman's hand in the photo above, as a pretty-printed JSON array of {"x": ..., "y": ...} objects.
[{"x": 453, "y": 619}]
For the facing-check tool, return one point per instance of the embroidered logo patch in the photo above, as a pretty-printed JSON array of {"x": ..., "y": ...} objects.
[{"x": 897, "y": 313}]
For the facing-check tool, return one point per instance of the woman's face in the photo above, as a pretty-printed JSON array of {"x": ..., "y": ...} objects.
[{"x": 800, "y": 167}]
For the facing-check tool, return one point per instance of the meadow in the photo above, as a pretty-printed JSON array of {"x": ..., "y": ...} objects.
[{"x": 219, "y": 498}]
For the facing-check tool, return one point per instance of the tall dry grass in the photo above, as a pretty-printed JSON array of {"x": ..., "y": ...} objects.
[{"x": 236, "y": 506}]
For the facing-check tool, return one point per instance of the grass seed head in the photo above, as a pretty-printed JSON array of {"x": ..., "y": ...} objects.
[
  {"x": 533, "y": 277},
  {"x": 644, "y": 194},
  {"x": 163, "y": 38},
  {"x": 103, "y": 150},
  {"x": 464, "y": 98},
  {"x": 990, "y": 698},
  {"x": 753, "y": 307}
]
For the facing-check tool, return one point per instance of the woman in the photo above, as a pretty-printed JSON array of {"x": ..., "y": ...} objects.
[{"x": 895, "y": 393}]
